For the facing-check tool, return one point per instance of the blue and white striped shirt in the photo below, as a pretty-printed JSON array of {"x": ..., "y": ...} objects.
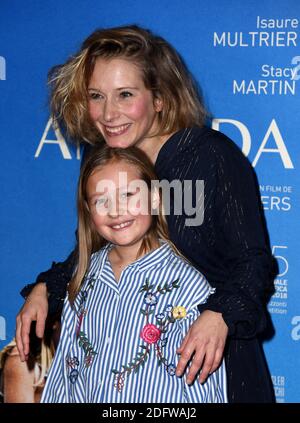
[{"x": 118, "y": 342}]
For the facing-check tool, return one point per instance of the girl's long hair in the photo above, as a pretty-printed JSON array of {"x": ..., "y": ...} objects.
[{"x": 89, "y": 241}]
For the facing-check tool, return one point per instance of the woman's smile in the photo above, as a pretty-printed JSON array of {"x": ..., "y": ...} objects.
[
  {"x": 116, "y": 130},
  {"x": 121, "y": 107}
]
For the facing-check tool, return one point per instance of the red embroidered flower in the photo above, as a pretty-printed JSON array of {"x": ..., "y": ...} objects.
[{"x": 150, "y": 333}]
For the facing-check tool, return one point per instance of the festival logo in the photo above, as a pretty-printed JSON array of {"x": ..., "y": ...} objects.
[{"x": 279, "y": 300}]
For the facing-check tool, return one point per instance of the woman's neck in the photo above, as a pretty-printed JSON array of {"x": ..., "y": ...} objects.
[{"x": 152, "y": 146}]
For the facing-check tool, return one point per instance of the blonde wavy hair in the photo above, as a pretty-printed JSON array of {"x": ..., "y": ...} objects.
[
  {"x": 89, "y": 241},
  {"x": 163, "y": 70}
]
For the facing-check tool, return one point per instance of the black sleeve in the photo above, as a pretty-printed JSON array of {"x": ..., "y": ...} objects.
[
  {"x": 243, "y": 246},
  {"x": 56, "y": 279}
]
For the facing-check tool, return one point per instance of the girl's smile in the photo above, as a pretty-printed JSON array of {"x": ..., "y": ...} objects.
[
  {"x": 123, "y": 225},
  {"x": 114, "y": 213}
]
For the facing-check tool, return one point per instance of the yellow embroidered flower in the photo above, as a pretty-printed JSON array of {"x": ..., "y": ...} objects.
[{"x": 179, "y": 312}]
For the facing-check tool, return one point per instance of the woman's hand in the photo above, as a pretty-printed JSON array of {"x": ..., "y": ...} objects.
[
  {"x": 206, "y": 338},
  {"x": 34, "y": 309}
]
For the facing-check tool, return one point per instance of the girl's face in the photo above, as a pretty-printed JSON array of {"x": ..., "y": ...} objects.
[
  {"x": 120, "y": 106},
  {"x": 120, "y": 210}
]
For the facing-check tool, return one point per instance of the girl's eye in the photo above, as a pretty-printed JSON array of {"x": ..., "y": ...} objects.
[
  {"x": 100, "y": 201},
  {"x": 125, "y": 195},
  {"x": 125, "y": 94}
]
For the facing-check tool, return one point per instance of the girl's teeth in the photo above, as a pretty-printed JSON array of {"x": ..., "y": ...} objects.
[{"x": 122, "y": 225}]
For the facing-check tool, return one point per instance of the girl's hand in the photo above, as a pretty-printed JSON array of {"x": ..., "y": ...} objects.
[
  {"x": 206, "y": 338},
  {"x": 34, "y": 309}
]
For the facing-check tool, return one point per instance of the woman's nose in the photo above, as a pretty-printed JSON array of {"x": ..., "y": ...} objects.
[{"x": 110, "y": 111}]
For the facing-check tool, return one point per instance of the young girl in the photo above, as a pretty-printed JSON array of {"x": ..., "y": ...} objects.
[{"x": 132, "y": 297}]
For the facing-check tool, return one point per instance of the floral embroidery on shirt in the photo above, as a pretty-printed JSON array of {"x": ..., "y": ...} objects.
[
  {"x": 71, "y": 364},
  {"x": 179, "y": 312},
  {"x": 89, "y": 352},
  {"x": 151, "y": 334},
  {"x": 83, "y": 340}
]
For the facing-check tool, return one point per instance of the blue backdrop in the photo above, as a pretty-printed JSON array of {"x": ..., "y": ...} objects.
[{"x": 245, "y": 56}]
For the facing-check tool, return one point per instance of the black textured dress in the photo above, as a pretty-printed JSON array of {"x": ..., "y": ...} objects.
[{"x": 230, "y": 248}]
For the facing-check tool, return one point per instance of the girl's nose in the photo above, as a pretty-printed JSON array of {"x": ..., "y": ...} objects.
[{"x": 116, "y": 208}]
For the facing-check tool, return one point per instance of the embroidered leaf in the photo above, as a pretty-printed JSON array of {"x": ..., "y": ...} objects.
[
  {"x": 163, "y": 320},
  {"x": 142, "y": 289}
]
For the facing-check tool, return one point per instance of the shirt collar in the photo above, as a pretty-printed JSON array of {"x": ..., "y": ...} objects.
[
  {"x": 154, "y": 257},
  {"x": 151, "y": 259}
]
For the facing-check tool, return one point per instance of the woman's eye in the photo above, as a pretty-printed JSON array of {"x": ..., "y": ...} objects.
[
  {"x": 125, "y": 94},
  {"x": 95, "y": 96}
]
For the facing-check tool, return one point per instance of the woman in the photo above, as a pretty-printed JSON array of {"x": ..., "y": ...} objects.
[{"x": 131, "y": 88}]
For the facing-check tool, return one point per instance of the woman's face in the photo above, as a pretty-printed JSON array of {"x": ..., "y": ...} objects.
[{"x": 120, "y": 105}]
